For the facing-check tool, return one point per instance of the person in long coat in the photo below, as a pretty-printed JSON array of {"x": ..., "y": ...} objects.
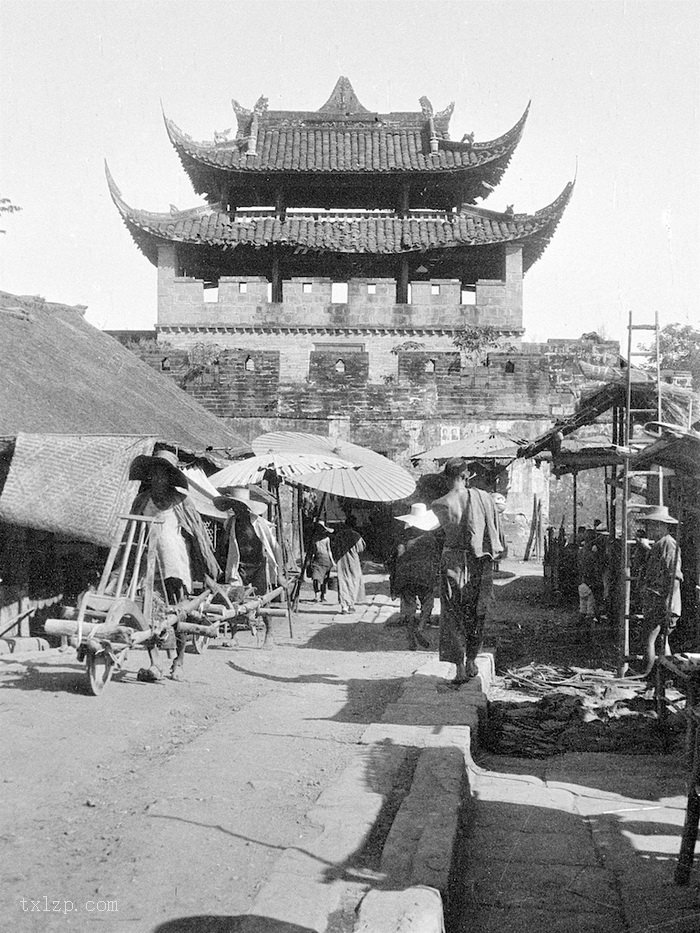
[
  {"x": 250, "y": 551},
  {"x": 322, "y": 560},
  {"x": 346, "y": 545}
]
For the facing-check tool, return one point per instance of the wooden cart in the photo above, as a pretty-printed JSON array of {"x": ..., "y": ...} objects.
[{"x": 128, "y": 610}]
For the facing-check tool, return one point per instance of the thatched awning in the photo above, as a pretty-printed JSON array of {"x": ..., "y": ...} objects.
[{"x": 72, "y": 485}]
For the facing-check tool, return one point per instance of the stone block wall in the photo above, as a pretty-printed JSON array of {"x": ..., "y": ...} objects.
[{"x": 433, "y": 388}]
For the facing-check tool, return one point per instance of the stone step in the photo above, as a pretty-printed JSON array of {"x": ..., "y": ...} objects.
[{"x": 408, "y": 894}]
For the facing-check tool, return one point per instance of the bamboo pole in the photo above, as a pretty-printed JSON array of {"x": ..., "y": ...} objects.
[{"x": 283, "y": 548}]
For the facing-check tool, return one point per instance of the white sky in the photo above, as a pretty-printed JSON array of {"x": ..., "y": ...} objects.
[{"x": 615, "y": 89}]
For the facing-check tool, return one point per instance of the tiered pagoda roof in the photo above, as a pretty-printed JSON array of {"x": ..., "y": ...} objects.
[
  {"x": 344, "y": 155},
  {"x": 405, "y": 189},
  {"x": 365, "y": 235}
]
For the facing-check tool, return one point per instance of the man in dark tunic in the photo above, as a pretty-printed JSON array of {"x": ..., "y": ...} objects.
[
  {"x": 249, "y": 551},
  {"x": 414, "y": 568},
  {"x": 473, "y": 539}
]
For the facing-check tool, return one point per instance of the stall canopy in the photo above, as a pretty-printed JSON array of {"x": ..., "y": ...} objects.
[
  {"x": 485, "y": 445},
  {"x": 581, "y": 453},
  {"x": 60, "y": 375},
  {"x": 675, "y": 405},
  {"x": 677, "y": 449}
]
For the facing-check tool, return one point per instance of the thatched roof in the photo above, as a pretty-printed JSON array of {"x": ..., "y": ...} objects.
[{"x": 60, "y": 375}]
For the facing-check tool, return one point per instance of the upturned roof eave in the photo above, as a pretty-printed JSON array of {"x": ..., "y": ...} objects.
[
  {"x": 533, "y": 231},
  {"x": 207, "y": 155}
]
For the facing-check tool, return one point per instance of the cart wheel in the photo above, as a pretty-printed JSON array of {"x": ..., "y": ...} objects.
[
  {"x": 99, "y": 669},
  {"x": 200, "y": 643}
]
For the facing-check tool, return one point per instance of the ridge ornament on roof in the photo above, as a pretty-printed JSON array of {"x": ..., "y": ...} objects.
[
  {"x": 343, "y": 99},
  {"x": 308, "y": 151}
]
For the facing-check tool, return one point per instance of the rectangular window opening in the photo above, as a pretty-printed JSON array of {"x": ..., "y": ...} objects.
[
  {"x": 434, "y": 289},
  {"x": 468, "y": 296},
  {"x": 211, "y": 295},
  {"x": 307, "y": 288},
  {"x": 371, "y": 288},
  {"x": 242, "y": 288},
  {"x": 339, "y": 293}
]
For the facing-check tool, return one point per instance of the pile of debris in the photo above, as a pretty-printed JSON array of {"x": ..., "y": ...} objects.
[{"x": 574, "y": 709}]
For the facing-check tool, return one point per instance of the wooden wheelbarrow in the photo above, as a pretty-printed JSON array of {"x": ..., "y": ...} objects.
[{"x": 121, "y": 613}]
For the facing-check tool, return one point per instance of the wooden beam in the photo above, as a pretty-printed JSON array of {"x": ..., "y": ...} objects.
[
  {"x": 280, "y": 203},
  {"x": 402, "y": 283},
  {"x": 405, "y": 199},
  {"x": 276, "y": 277}
]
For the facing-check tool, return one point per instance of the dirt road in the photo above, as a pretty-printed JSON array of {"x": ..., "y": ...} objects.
[{"x": 172, "y": 800}]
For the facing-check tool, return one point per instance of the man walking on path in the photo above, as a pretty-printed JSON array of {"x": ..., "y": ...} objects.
[
  {"x": 414, "y": 571},
  {"x": 473, "y": 540}
]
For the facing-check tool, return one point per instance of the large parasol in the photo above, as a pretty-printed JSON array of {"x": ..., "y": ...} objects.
[
  {"x": 285, "y": 464},
  {"x": 491, "y": 445},
  {"x": 369, "y": 477}
]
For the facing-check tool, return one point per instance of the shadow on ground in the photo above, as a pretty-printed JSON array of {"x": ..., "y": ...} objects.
[
  {"x": 243, "y": 923},
  {"x": 597, "y": 854}
]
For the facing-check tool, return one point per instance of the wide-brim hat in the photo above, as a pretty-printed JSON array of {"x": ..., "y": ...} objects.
[
  {"x": 142, "y": 466},
  {"x": 231, "y": 496},
  {"x": 420, "y": 517},
  {"x": 659, "y": 514},
  {"x": 455, "y": 465}
]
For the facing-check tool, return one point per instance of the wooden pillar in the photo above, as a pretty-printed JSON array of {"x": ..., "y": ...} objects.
[
  {"x": 405, "y": 199},
  {"x": 402, "y": 283},
  {"x": 280, "y": 204},
  {"x": 276, "y": 277}
]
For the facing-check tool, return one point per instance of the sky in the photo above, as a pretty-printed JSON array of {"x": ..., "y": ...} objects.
[{"x": 615, "y": 90}]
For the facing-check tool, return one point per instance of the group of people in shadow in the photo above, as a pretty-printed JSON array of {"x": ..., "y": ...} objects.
[{"x": 448, "y": 548}]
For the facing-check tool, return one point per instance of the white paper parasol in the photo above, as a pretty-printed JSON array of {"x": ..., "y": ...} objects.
[
  {"x": 372, "y": 477},
  {"x": 286, "y": 465},
  {"x": 297, "y": 442},
  {"x": 370, "y": 483},
  {"x": 483, "y": 446}
]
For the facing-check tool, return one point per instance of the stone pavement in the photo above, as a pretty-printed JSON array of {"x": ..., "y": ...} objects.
[{"x": 579, "y": 843}]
